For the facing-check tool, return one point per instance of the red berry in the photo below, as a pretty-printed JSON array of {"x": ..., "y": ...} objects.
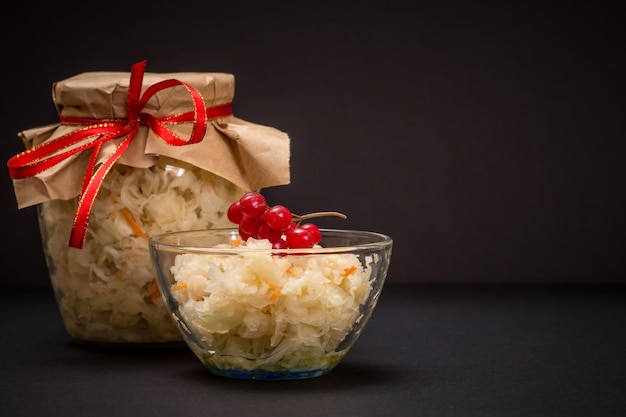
[
  {"x": 277, "y": 224},
  {"x": 278, "y": 217},
  {"x": 279, "y": 244},
  {"x": 289, "y": 228},
  {"x": 314, "y": 230},
  {"x": 299, "y": 238},
  {"x": 234, "y": 212},
  {"x": 244, "y": 236},
  {"x": 249, "y": 225},
  {"x": 253, "y": 204},
  {"x": 264, "y": 231},
  {"x": 275, "y": 236}
]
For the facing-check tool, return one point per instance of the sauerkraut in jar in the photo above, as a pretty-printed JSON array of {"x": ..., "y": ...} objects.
[
  {"x": 106, "y": 291},
  {"x": 133, "y": 155}
]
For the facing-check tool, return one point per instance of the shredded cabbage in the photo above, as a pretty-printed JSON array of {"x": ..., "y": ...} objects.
[
  {"x": 259, "y": 311},
  {"x": 106, "y": 291}
]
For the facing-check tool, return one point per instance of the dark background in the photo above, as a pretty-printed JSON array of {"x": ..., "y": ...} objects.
[{"x": 487, "y": 140}]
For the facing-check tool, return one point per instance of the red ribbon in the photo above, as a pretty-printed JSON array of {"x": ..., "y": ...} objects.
[{"x": 97, "y": 131}]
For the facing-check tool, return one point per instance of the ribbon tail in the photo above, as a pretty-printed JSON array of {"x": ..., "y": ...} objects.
[
  {"x": 90, "y": 191},
  {"x": 91, "y": 167}
]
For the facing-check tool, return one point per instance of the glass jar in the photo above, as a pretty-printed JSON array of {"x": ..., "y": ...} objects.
[{"x": 106, "y": 291}]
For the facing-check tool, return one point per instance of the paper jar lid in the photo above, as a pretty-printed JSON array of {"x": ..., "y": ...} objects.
[{"x": 250, "y": 155}]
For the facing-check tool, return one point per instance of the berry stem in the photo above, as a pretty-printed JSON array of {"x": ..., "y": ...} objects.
[{"x": 300, "y": 219}]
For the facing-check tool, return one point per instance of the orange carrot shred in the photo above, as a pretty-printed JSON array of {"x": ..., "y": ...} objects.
[
  {"x": 348, "y": 271},
  {"x": 155, "y": 293},
  {"x": 275, "y": 292},
  {"x": 133, "y": 224},
  {"x": 130, "y": 219},
  {"x": 178, "y": 287}
]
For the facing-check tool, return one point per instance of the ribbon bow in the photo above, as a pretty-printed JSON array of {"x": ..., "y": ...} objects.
[{"x": 97, "y": 131}]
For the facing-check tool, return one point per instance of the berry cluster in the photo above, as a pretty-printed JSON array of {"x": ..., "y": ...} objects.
[{"x": 278, "y": 224}]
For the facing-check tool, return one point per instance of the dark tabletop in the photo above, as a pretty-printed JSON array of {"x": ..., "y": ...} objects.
[{"x": 427, "y": 351}]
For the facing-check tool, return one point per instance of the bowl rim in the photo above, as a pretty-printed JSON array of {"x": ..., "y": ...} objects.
[{"x": 379, "y": 241}]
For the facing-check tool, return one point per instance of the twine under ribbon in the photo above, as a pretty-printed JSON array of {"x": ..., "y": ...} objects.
[{"x": 97, "y": 131}]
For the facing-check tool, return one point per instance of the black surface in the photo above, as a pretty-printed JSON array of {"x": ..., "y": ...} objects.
[{"x": 427, "y": 351}]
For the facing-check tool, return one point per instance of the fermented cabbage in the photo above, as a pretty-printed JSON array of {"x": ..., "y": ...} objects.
[
  {"x": 107, "y": 291},
  {"x": 255, "y": 310}
]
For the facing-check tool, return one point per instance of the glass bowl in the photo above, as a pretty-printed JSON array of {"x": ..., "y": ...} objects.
[{"x": 248, "y": 311}]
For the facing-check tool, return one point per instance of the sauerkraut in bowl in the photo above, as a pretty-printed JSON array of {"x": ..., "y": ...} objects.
[
  {"x": 248, "y": 311},
  {"x": 106, "y": 291}
]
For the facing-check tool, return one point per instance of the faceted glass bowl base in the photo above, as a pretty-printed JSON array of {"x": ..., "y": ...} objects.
[{"x": 269, "y": 375}]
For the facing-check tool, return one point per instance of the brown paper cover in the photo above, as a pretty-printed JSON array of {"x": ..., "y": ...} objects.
[{"x": 249, "y": 155}]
